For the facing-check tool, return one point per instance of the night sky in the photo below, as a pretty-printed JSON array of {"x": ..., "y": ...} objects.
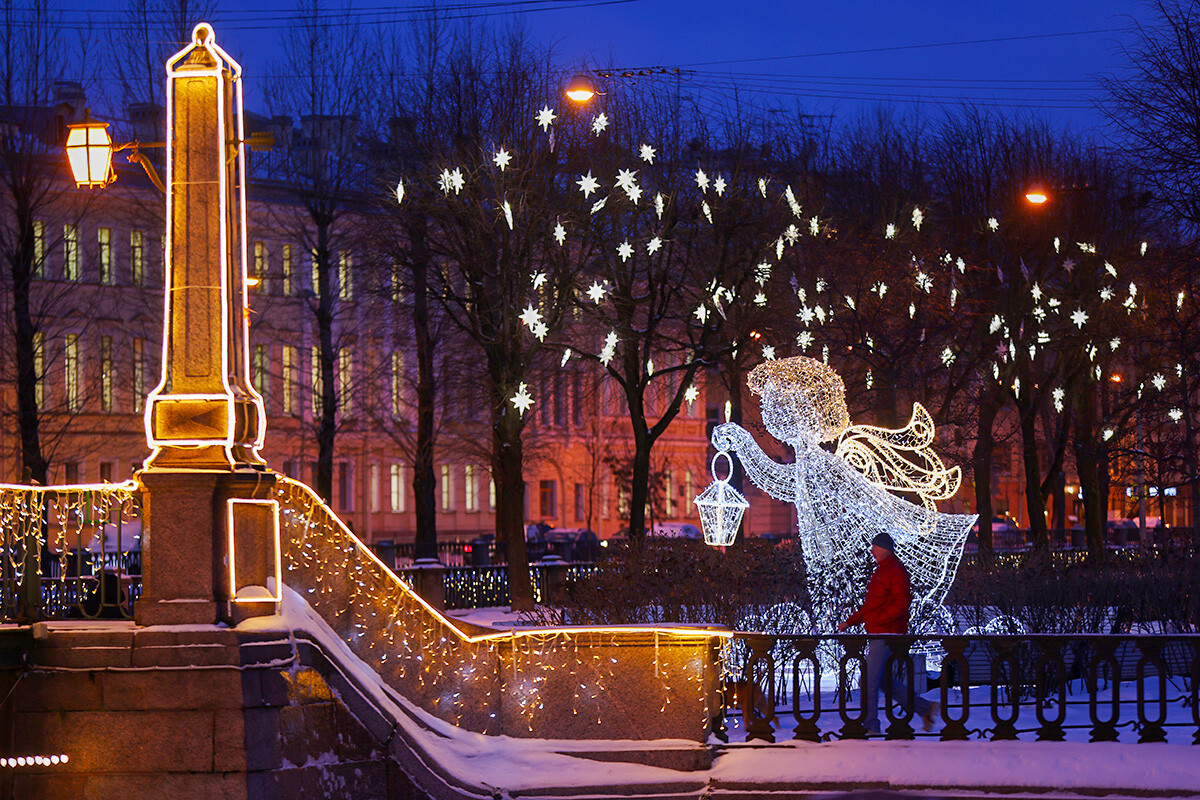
[{"x": 833, "y": 58}]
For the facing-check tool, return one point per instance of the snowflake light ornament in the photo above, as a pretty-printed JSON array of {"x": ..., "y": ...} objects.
[
  {"x": 843, "y": 499},
  {"x": 721, "y": 507}
]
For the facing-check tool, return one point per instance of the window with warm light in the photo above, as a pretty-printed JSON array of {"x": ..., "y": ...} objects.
[
  {"x": 471, "y": 488},
  {"x": 260, "y": 267},
  {"x": 286, "y": 267},
  {"x": 290, "y": 378},
  {"x": 106, "y": 377},
  {"x": 345, "y": 373},
  {"x": 39, "y": 249},
  {"x": 315, "y": 379},
  {"x": 345, "y": 277},
  {"x": 314, "y": 272},
  {"x": 104, "y": 240},
  {"x": 260, "y": 366},
  {"x": 137, "y": 258},
  {"x": 689, "y": 491},
  {"x": 397, "y": 487},
  {"x": 71, "y": 252},
  {"x": 39, "y": 368},
  {"x": 374, "y": 489},
  {"x": 71, "y": 370},
  {"x": 139, "y": 374},
  {"x": 548, "y": 498},
  {"x": 397, "y": 385},
  {"x": 447, "y": 487}
]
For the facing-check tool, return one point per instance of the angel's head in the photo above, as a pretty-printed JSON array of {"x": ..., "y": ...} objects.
[{"x": 802, "y": 399}]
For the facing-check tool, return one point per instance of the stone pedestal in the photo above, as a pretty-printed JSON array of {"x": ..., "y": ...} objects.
[
  {"x": 185, "y": 545},
  {"x": 428, "y": 576}
]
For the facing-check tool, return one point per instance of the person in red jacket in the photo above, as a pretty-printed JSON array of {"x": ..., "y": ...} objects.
[{"x": 885, "y": 610}]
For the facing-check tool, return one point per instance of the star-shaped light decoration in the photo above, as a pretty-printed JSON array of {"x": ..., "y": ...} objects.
[
  {"x": 804, "y": 340},
  {"x": 701, "y": 314},
  {"x": 624, "y": 250},
  {"x": 530, "y": 316},
  {"x": 647, "y": 153},
  {"x": 399, "y": 191},
  {"x": 690, "y": 395},
  {"x": 993, "y": 223},
  {"x": 599, "y": 123},
  {"x": 1058, "y": 395},
  {"x": 610, "y": 348},
  {"x": 595, "y": 292},
  {"x": 702, "y": 180},
  {"x": 1036, "y": 291},
  {"x": 917, "y": 217},
  {"x": 522, "y": 400},
  {"x": 653, "y": 246},
  {"x": 769, "y": 352},
  {"x": 659, "y": 205},
  {"x": 1110, "y": 269},
  {"x": 947, "y": 356},
  {"x": 1159, "y": 381},
  {"x": 560, "y": 233},
  {"x": 539, "y": 278},
  {"x": 1114, "y": 343},
  {"x": 890, "y": 231},
  {"x": 719, "y": 186},
  {"x": 634, "y": 193},
  {"x": 814, "y": 226},
  {"x": 626, "y": 178},
  {"x": 1107, "y": 294},
  {"x": 451, "y": 181},
  {"x": 1179, "y": 298},
  {"x": 502, "y": 159},
  {"x": 1086, "y": 247},
  {"x": 546, "y": 117},
  {"x": 539, "y": 330},
  {"x": 1175, "y": 414},
  {"x": 924, "y": 282},
  {"x": 587, "y": 184},
  {"x": 1079, "y": 317}
]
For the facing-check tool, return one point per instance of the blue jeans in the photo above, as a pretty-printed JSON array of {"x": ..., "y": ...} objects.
[{"x": 877, "y": 655}]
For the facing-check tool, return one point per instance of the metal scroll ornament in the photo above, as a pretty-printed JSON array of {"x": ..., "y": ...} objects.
[{"x": 721, "y": 507}]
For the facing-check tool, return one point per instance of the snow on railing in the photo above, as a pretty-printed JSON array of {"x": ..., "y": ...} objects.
[{"x": 81, "y": 541}]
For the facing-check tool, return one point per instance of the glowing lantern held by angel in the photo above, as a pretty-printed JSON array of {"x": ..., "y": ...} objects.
[{"x": 845, "y": 497}]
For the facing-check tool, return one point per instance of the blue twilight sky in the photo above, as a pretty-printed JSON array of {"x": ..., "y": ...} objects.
[{"x": 832, "y": 57}]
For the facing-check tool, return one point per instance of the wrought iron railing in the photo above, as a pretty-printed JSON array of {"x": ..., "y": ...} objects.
[
  {"x": 483, "y": 587},
  {"x": 1096, "y": 688},
  {"x": 69, "y": 551}
]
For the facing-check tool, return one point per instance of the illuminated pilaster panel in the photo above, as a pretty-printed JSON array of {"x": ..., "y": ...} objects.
[{"x": 204, "y": 414}]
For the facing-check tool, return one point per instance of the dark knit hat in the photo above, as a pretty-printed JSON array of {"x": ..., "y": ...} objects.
[{"x": 885, "y": 541}]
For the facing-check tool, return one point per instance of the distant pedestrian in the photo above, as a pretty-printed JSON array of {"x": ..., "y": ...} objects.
[{"x": 885, "y": 610}]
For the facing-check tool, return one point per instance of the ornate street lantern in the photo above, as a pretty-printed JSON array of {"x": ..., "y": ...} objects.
[
  {"x": 721, "y": 507},
  {"x": 90, "y": 149}
]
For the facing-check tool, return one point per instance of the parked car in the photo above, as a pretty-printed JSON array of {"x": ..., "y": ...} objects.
[
  {"x": 684, "y": 530},
  {"x": 573, "y": 544}
]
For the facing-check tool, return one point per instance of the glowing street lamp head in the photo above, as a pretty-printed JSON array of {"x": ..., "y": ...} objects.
[
  {"x": 581, "y": 89},
  {"x": 1037, "y": 194},
  {"x": 89, "y": 150}
]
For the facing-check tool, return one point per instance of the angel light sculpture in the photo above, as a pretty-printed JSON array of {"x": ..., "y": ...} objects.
[{"x": 844, "y": 498}]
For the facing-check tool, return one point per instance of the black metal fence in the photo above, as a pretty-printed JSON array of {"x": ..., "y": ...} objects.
[
  {"x": 483, "y": 587},
  {"x": 1097, "y": 688}
]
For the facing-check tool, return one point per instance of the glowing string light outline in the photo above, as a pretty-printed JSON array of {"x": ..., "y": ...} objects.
[{"x": 233, "y": 587}]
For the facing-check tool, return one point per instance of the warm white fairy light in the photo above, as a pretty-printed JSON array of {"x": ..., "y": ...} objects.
[{"x": 843, "y": 499}]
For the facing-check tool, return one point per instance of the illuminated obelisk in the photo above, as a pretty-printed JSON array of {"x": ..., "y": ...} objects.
[
  {"x": 204, "y": 413},
  {"x": 210, "y": 525}
]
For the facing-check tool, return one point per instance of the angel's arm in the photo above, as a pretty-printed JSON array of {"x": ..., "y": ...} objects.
[{"x": 777, "y": 480}]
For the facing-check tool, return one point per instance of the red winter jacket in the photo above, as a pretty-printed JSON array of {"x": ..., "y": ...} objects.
[{"x": 885, "y": 608}]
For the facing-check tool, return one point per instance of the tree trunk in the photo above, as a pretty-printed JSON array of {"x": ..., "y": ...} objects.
[
  {"x": 507, "y": 458},
  {"x": 33, "y": 465},
  {"x": 1087, "y": 466},
  {"x": 326, "y": 357},
  {"x": 733, "y": 377},
  {"x": 985, "y": 446},
  {"x": 1035, "y": 500},
  {"x": 423, "y": 475}
]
